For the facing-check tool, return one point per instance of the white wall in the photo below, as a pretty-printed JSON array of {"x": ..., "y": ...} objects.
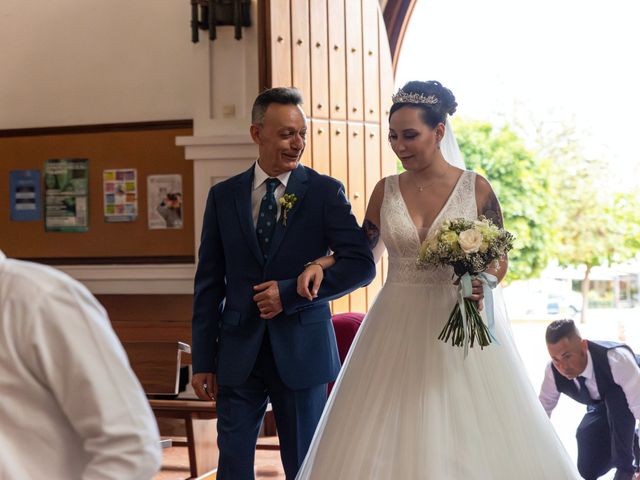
[
  {"x": 76, "y": 62},
  {"x": 79, "y": 62},
  {"x": 71, "y": 62}
]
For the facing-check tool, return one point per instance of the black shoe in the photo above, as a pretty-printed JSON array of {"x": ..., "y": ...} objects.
[{"x": 620, "y": 475}]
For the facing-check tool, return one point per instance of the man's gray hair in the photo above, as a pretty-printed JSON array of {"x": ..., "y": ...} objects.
[{"x": 281, "y": 95}]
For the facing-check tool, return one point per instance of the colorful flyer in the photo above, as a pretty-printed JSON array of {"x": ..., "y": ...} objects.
[
  {"x": 66, "y": 183},
  {"x": 164, "y": 205},
  {"x": 120, "y": 187},
  {"x": 24, "y": 191}
]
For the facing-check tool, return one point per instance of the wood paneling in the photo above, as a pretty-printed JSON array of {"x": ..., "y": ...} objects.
[
  {"x": 307, "y": 155},
  {"x": 321, "y": 149},
  {"x": 372, "y": 176},
  {"x": 141, "y": 308},
  {"x": 319, "y": 59},
  {"x": 340, "y": 170},
  {"x": 357, "y": 191},
  {"x": 337, "y": 60},
  {"x": 370, "y": 55},
  {"x": 280, "y": 41},
  {"x": 339, "y": 160},
  {"x": 372, "y": 165},
  {"x": 300, "y": 60},
  {"x": 353, "y": 18},
  {"x": 144, "y": 318},
  {"x": 351, "y": 77},
  {"x": 357, "y": 194},
  {"x": 388, "y": 158}
]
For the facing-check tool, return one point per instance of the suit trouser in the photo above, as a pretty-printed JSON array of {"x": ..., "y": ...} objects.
[
  {"x": 242, "y": 408},
  {"x": 605, "y": 437}
]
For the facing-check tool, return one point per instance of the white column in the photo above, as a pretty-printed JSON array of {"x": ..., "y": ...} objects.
[
  {"x": 215, "y": 158},
  {"x": 227, "y": 84}
]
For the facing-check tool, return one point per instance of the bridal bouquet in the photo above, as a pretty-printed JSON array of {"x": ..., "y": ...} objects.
[{"x": 470, "y": 247}]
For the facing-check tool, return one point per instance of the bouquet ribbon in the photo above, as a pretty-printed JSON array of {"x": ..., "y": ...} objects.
[{"x": 489, "y": 282}]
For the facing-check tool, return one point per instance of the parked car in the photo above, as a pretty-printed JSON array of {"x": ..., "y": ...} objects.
[{"x": 566, "y": 303}]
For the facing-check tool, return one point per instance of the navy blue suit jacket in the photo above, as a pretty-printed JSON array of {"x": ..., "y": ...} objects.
[{"x": 227, "y": 328}]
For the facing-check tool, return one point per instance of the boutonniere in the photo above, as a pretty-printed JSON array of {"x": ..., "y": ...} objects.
[{"x": 287, "y": 202}]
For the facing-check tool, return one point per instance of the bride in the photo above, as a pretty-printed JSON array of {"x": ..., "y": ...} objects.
[{"x": 406, "y": 405}]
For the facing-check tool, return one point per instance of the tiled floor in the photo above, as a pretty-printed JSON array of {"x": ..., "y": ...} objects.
[{"x": 175, "y": 464}]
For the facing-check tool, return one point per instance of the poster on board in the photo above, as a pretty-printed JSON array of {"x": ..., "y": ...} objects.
[
  {"x": 24, "y": 192},
  {"x": 66, "y": 183},
  {"x": 164, "y": 201},
  {"x": 120, "y": 194}
]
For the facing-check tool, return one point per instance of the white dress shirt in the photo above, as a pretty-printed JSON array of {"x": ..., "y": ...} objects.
[
  {"x": 625, "y": 372},
  {"x": 260, "y": 188},
  {"x": 70, "y": 405}
]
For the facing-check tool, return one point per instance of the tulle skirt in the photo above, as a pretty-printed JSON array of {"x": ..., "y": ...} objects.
[{"x": 408, "y": 406}]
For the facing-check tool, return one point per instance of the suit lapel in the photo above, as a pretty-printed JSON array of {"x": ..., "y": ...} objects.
[
  {"x": 296, "y": 185},
  {"x": 245, "y": 214}
]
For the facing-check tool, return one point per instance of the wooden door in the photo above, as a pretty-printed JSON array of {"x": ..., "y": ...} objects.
[{"x": 337, "y": 53}]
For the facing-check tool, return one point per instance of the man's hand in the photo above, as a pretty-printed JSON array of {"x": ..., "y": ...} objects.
[
  {"x": 205, "y": 386},
  {"x": 268, "y": 299}
]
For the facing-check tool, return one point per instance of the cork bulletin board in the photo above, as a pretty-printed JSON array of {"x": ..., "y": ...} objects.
[{"x": 147, "y": 147}]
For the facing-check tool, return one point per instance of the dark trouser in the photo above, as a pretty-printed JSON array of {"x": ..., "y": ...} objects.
[
  {"x": 241, "y": 410},
  {"x": 605, "y": 438}
]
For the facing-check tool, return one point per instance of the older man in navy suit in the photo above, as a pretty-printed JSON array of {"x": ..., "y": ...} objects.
[{"x": 255, "y": 339}]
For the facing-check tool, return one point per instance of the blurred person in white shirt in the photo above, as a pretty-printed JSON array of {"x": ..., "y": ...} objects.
[{"x": 70, "y": 405}]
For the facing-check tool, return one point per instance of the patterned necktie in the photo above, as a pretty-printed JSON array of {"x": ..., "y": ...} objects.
[
  {"x": 267, "y": 217},
  {"x": 583, "y": 393}
]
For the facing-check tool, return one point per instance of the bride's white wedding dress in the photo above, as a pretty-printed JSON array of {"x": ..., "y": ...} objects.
[{"x": 408, "y": 406}]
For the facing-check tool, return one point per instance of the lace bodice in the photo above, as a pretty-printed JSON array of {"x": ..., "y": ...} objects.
[{"x": 400, "y": 235}]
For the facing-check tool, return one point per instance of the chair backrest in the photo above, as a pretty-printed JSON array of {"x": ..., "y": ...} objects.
[
  {"x": 346, "y": 326},
  {"x": 157, "y": 365}
]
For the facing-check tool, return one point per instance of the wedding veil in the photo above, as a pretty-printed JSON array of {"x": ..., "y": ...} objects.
[{"x": 449, "y": 147}]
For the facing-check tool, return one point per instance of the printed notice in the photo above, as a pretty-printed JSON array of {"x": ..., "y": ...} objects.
[
  {"x": 164, "y": 201},
  {"x": 24, "y": 190},
  {"x": 120, "y": 189},
  {"x": 66, "y": 184}
]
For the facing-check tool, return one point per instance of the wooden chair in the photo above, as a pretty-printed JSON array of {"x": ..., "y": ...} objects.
[{"x": 157, "y": 366}]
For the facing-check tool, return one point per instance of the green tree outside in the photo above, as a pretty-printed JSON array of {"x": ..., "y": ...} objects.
[{"x": 521, "y": 181}]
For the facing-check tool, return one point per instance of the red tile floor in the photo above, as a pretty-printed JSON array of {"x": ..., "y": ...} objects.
[{"x": 175, "y": 463}]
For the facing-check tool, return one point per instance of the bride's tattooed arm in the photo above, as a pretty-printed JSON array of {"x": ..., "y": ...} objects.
[
  {"x": 372, "y": 232},
  {"x": 491, "y": 209}
]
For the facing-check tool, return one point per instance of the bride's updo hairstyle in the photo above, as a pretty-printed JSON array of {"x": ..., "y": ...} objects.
[{"x": 432, "y": 99}]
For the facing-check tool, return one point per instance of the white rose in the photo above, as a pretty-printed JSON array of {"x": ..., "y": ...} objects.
[{"x": 470, "y": 240}]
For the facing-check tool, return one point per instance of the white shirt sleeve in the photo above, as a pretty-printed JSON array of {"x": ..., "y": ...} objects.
[
  {"x": 626, "y": 373},
  {"x": 549, "y": 394},
  {"x": 78, "y": 357}
]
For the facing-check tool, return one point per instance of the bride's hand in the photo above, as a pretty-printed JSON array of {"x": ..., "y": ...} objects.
[
  {"x": 477, "y": 294},
  {"x": 313, "y": 275}
]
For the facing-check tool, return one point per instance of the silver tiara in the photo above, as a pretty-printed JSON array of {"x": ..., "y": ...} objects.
[{"x": 404, "y": 97}]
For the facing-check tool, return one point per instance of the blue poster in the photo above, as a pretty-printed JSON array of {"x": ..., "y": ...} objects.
[{"x": 24, "y": 191}]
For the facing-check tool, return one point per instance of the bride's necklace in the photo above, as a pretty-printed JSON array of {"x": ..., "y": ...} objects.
[{"x": 419, "y": 187}]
